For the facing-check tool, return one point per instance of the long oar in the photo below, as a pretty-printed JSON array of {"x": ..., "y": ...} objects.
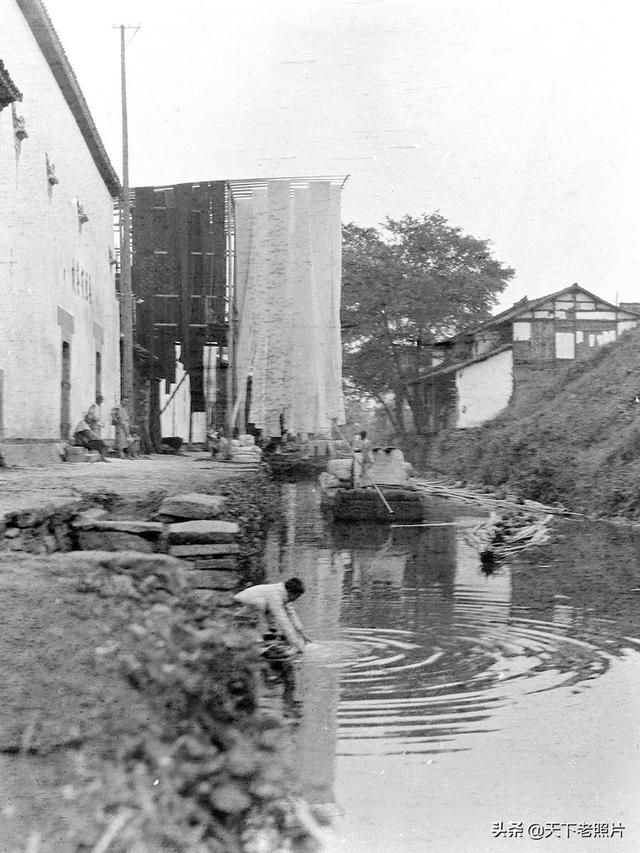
[{"x": 368, "y": 476}]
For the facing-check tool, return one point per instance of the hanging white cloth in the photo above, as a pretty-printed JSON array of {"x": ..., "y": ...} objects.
[{"x": 288, "y": 249}]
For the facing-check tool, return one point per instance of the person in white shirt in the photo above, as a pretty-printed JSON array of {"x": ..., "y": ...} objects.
[
  {"x": 94, "y": 416},
  {"x": 273, "y": 602}
]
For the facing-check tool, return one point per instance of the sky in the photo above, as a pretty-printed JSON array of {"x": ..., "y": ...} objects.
[{"x": 517, "y": 121}]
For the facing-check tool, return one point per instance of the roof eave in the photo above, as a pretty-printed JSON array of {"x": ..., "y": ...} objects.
[{"x": 460, "y": 365}]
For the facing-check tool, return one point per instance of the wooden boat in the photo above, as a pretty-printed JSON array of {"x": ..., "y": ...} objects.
[
  {"x": 365, "y": 504},
  {"x": 294, "y": 465}
]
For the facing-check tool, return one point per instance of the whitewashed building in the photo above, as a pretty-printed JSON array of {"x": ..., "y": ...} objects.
[
  {"x": 480, "y": 370},
  {"x": 59, "y": 326}
]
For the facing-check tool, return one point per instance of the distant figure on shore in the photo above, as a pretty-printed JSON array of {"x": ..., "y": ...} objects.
[
  {"x": 125, "y": 443},
  {"x": 219, "y": 445}
]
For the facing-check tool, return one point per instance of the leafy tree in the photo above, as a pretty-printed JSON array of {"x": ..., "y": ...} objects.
[{"x": 406, "y": 285}]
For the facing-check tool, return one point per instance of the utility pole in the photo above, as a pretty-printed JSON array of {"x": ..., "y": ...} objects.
[{"x": 126, "y": 294}]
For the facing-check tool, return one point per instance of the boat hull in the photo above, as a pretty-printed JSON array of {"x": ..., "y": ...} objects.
[
  {"x": 287, "y": 466},
  {"x": 366, "y": 505}
]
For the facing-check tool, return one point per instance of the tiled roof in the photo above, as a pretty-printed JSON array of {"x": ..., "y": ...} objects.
[
  {"x": 525, "y": 306},
  {"x": 9, "y": 92},
  {"x": 49, "y": 43}
]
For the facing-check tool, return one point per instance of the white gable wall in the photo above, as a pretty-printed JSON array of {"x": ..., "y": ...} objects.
[
  {"x": 484, "y": 389},
  {"x": 40, "y": 245}
]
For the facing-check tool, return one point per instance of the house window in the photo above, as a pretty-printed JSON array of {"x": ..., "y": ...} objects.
[
  {"x": 522, "y": 331},
  {"x": 565, "y": 345}
]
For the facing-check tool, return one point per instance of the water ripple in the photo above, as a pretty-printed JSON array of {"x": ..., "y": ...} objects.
[{"x": 423, "y": 691}]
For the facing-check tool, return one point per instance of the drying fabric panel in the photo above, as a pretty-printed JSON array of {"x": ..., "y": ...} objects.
[{"x": 287, "y": 306}]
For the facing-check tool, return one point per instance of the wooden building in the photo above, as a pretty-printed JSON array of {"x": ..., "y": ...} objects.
[
  {"x": 180, "y": 277},
  {"x": 476, "y": 373}
]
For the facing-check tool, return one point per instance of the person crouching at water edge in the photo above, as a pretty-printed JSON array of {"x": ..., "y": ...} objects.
[{"x": 283, "y": 633}]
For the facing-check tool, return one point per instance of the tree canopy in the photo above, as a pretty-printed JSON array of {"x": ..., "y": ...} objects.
[{"x": 404, "y": 286}]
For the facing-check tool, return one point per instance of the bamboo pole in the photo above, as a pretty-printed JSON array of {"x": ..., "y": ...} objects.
[{"x": 125, "y": 248}]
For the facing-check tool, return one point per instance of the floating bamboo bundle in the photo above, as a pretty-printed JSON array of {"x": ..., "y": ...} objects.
[
  {"x": 462, "y": 492},
  {"x": 501, "y": 537}
]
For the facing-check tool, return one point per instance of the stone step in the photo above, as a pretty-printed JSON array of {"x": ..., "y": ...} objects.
[
  {"x": 142, "y": 528},
  {"x": 209, "y": 579},
  {"x": 112, "y": 540},
  {"x": 194, "y": 532},
  {"x": 212, "y": 562},
  {"x": 194, "y": 506},
  {"x": 208, "y": 549}
]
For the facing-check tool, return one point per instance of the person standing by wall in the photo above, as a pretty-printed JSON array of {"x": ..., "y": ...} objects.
[{"x": 124, "y": 442}]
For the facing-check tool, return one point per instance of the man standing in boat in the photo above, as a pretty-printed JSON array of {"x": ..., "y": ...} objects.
[{"x": 363, "y": 446}]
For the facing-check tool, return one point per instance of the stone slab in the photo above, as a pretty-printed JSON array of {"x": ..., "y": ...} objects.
[
  {"x": 74, "y": 454},
  {"x": 93, "y": 514},
  {"x": 212, "y": 562},
  {"x": 194, "y": 506},
  {"x": 193, "y": 532},
  {"x": 31, "y": 454},
  {"x": 139, "y": 566},
  {"x": 112, "y": 540},
  {"x": 140, "y": 528},
  {"x": 203, "y": 579},
  {"x": 208, "y": 549}
]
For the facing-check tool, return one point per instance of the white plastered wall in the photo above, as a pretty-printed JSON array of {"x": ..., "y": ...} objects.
[
  {"x": 175, "y": 404},
  {"x": 40, "y": 242},
  {"x": 484, "y": 389}
]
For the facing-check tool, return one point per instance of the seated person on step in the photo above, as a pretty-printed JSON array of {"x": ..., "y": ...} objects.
[{"x": 84, "y": 436}]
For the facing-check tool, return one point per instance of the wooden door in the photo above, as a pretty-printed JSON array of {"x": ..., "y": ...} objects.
[{"x": 65, "y": 392}]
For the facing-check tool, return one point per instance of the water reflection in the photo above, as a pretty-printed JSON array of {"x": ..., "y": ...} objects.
[{"x": 421, "y": 646}]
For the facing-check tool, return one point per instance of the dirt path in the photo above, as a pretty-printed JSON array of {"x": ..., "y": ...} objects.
[
  {"x": 64, "y": 702},
  {"x": 29, "y": 488}
]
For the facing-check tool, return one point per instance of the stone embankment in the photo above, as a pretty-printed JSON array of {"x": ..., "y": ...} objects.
[
  {"x": 128, "y": 582},
  {"x": 189, "y": 530}
]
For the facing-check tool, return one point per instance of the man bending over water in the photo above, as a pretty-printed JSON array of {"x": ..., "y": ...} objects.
[{"x": 273, "y": 602}]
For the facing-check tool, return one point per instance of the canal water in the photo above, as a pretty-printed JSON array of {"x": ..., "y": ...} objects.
[{"x": 447, "y": 709}]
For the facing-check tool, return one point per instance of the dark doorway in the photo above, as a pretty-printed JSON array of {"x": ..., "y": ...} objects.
[
  {"x": 65, "y": 392},
  {"x": 98, "y": 373}
]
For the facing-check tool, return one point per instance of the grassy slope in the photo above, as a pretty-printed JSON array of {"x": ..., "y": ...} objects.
[{"x": 575, "y": 440}]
